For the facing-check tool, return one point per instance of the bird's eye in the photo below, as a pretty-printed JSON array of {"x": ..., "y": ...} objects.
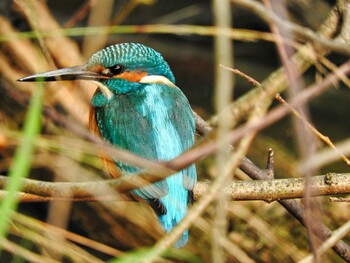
[
  {"x": 113, "y": 71},
  {"x": 116, "y": 69}
]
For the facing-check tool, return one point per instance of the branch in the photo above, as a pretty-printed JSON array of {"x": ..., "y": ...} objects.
[
  {"x": 167, "y": 168},
  {"x": 335, "y": 237},
  {"x": 267, "y": 190},
  {"x": 302, "y": 60},
  {"x": 303, "y": 33},
  {"x": 248, "y": 167},
  {"x": 277, "y": 113}
]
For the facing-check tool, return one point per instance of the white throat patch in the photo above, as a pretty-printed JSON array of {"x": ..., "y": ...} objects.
[
  {"x": 157, "y": 80},
  {"x": 106, "y": 92}
]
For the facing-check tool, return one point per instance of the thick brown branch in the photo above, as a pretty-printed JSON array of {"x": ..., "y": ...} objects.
[
  {"x": 268, "y": 190},
  {"x": 277, "y": 189}
]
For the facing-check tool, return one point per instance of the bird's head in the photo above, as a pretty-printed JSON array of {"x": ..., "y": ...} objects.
[{"x": 116, "y": 69}]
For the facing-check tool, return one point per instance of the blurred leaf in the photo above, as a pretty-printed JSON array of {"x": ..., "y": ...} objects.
[
  {"x": 21, "y": 162},
  {"x": 133, "y": 256},
  {"x": 175, "y": 254},
  {"x": 181, "y": 254}
]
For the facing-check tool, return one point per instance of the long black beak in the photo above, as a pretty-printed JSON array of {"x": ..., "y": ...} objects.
[{"x": 73, "y": 73}]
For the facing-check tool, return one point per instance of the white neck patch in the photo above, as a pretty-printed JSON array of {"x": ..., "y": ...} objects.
[
  {"x": 153, "y": 79},
  {"x": 156, "y": 79},
  {"x": 106, "y": 92}
]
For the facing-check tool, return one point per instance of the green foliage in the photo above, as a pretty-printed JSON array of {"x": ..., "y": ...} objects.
[
  {"x": 174, "y": 254},
  {"x": 21, "y": 163}
]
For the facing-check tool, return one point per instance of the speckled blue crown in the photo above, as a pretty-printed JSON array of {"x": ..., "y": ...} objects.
[{"x": 134, "y": 57}]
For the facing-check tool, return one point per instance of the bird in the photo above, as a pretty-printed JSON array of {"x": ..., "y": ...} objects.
[{"x": 138, "y": 107}]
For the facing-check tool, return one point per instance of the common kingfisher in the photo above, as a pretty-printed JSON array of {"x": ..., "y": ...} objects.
[{"x": 138, "y": 107}]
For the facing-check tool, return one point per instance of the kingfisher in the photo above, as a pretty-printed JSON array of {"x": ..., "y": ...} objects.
[{"x": 138, "y": 107}]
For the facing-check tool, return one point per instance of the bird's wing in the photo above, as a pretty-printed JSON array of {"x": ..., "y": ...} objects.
[
  {"x": 184, "y": 123},
  {"x": 122, "y": 124},
  {"x": 109, "y": 163}
]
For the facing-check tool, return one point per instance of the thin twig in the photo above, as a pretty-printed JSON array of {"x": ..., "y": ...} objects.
[
  {"x": 277, "y": 113},
  {"x": 79, "y": 15},
  {"x": 223, "y": 94},
  {"x": 303, "y": 59},
  {"x": 47, "y": 228},
  {"x": 318, "y": 229},
  {"x": 339, "y": 199},
  {"x": 327, "y": 244},
  {"x": 16, "y": 249},
  {"x": 240, "y": 73},
  {"x": 306, "y": 142},
  {"x": 270, "y": 164},
  {"x": 322, "y": 137},
  {"x": 304, "y": 33}
]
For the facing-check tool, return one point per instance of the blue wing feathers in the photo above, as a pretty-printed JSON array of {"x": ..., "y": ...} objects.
[
  {"x": 126, "y": 128},
  {"x": 185, "y": 125},
  {"x": 157, "y": 123}
]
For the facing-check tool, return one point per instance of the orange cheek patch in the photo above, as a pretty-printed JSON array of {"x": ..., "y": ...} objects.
[{"x": 132, "y": 76}]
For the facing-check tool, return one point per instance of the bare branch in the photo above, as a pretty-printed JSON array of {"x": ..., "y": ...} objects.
[
  {"x": 322, "y": 137},
  {"x": 334, "y": 238},
  {"x": 339, "y": 199},
  {"x": 303, "y": 33},
  {"x": 302, "y": 60},
  {"x": 268, "y": 190}
]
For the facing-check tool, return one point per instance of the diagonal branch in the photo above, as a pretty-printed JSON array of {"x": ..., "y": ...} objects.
[
  {"x": 301, "y": 32},
  {"x": 302, "y": 60}
]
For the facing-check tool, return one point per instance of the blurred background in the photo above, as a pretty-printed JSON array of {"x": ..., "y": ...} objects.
[{"x": 261, "y": 232}]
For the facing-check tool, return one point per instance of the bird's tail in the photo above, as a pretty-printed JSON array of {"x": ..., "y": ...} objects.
[{"x": 176, "y": 203}]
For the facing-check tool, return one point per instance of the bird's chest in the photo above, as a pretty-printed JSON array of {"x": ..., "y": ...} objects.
[
  {"x": 141, "y": 123},
  {"x": 150, "y": 109}
]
